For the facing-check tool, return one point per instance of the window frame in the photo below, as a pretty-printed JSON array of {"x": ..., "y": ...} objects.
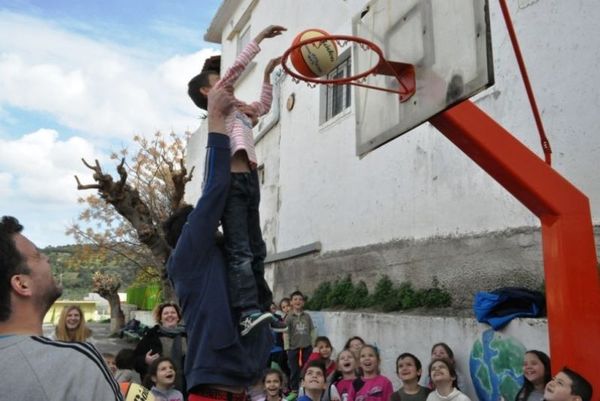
[{"x": 336, "y": 99}]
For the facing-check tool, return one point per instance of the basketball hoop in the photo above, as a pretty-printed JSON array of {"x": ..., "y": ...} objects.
[{"x": 404, "y": 73}]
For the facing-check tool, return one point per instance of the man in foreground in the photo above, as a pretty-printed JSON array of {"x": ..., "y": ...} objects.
[{"x": 33, "y": 367}]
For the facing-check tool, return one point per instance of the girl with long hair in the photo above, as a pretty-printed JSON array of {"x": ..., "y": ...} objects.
[
  {"x": 71, "y": 325},
  {"x": 536, "y": 374}
]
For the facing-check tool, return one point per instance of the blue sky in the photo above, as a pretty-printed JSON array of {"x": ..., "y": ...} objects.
[{"x": 79, "y": 79}]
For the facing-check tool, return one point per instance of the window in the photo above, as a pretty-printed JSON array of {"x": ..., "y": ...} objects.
[
  {"x": 243, "y": 40},
  {"x": 336, "y": 98}
]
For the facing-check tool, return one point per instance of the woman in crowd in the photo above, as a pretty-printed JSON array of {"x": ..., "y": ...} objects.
[
  {"x": 166, "y": 339},
  {"x": 536, "y": 374},
  {"x": 71, "y": 326}
]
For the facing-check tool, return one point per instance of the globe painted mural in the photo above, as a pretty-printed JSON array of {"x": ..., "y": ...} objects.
[{"x": 496, "y": 365}]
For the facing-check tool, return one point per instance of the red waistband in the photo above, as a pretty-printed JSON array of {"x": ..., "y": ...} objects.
[{"x": 213, "y": 394}]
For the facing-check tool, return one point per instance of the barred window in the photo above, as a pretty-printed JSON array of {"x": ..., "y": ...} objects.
[{"x": 337, "y": 98}]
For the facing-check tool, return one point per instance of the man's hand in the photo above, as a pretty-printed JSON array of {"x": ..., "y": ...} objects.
[
  {"x": 220, "y": 103},
  {"x": 270, "y": 32}
]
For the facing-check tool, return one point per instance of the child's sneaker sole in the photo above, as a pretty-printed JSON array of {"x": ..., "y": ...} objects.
[{"x": 248, "y": 323}]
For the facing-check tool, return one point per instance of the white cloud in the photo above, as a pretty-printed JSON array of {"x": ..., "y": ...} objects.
[
  {"x": 5, "y": 185},
  {"x": 177, "y": 71},
  {"x": 94, "y": 87},
  {"x": 40, "y": 167}
]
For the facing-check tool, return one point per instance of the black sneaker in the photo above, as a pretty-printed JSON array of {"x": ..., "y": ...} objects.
[
  {"x": 278, "y": 326},
  {"x": 247, "y": 323}
]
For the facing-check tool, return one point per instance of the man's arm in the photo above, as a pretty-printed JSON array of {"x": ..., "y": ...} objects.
[{"x": 198, "y": 234}]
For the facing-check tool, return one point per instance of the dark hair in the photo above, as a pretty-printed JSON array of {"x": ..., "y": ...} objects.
[
  {"x": 347, "y": 345},
  {"x": 173, "y": 226},
  {"x": 315, "y": 364},
  {"x": 528, "y": 386},
  {"x": 200, "y": 81},
  {"x": 414, "y": 358},
  {"x": 323, "y": 339},
  {"x": 11, "y": 262},
  {"x": 450, "y": 365},
  {"x": 446, "y": 347},
  {"x": 284, "y": 299},
  {"x": 153, "y": 368},
  {"x": 296, "y": 293},
  {"x": 273, "y": 372},
  {"x": 125, "y": 359},
  {"x": 580, "y": 386}
]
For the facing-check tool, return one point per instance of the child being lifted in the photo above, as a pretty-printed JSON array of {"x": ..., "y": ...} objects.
[{"x": 244, "y": 246}]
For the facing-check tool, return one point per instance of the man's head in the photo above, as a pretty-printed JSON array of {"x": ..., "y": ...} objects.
[
  {"x": 173, "y": 226},
  {"x": 25, "y": 275},
  {"x": 200, "y": 85},
  {"x": 568, "y": 385}
]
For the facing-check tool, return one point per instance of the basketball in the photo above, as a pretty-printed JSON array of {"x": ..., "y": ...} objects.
[{"x": 314, "y": 59}]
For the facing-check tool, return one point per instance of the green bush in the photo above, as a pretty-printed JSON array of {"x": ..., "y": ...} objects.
[
  {"x": 340, "y": 291},
  {"x": 435, "y": 298},
  {"x": 384, "y": 290},
  {"x": 386, "y": 297},
  {"x": 408, "y": 297},
  {"x": 359, "y": 297},
  {"x": 319, "y": 298}
]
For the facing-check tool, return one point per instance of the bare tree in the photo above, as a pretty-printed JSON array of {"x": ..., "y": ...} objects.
[{"x": 129, "y": 210}]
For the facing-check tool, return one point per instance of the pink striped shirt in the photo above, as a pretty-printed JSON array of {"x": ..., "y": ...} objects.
[{"x": 238, "y": 124}]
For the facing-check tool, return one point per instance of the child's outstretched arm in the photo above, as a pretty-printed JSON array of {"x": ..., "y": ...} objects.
[
  {"x": 274, "y": 62},
  {"x": 269, "y": 32},
  {"x": 247, "y": 54},
  {"x": 262, "y": 107}
]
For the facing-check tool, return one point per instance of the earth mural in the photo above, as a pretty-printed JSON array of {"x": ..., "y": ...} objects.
[{"x": 496, "y": 365}]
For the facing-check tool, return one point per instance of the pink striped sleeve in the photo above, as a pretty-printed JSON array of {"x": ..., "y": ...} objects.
[
  {"x": 240, "y": 64},
  {"x": 263, "y": 106}
]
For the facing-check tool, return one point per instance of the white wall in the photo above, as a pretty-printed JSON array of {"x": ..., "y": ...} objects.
[
  {"x": 396, "y": 333},
  {"x": 420, "y": 185}
]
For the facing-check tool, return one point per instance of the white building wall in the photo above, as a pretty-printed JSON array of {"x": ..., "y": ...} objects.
[
  {"x": 420, "y": 185},
  {"x": 397, "y": 333}
]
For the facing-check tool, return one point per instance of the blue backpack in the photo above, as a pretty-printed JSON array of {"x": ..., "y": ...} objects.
[{"x": 499, "y": 307}]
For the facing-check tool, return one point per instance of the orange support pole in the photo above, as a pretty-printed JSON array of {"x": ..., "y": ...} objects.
[{"x": 569, "y": 253}]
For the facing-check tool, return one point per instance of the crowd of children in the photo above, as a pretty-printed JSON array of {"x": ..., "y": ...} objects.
[{"x": 355, "y": 374}]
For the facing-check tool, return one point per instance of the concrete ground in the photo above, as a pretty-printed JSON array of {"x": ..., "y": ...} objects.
[{"x": 102, "y": 339}]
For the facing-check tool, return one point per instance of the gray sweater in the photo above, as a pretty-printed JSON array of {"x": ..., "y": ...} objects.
[{"x": 36, "y": 368}]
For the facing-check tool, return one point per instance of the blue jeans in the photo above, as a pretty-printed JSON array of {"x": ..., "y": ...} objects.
[{"x": 244, "y": 245}]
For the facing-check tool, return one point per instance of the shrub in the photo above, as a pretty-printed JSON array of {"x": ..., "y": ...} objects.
[
  {"x": 386, "y": 297},
  {"x": 384, "y": 290},
  {"x": 319, "y": 298},
  {"x": 359, "y": 297},
  {"x": 340, "y": 291},
  {"x": 408, "y": 296}
]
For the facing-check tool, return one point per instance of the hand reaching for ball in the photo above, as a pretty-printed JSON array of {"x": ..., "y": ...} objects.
[{"x": 270, "y": 32}]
